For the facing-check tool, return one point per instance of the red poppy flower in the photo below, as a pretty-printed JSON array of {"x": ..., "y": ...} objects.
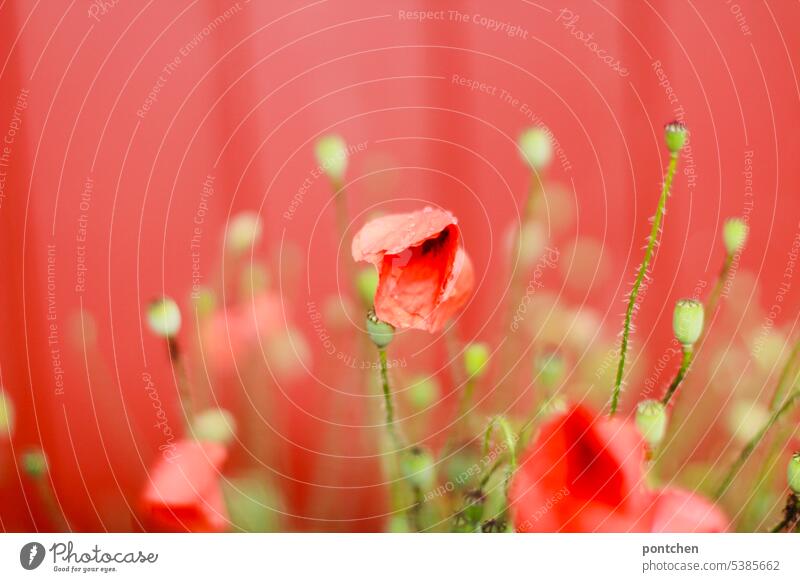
[
  {"x": 184, "y": 491},
  {"x": 425, "y": 276},
  {"x": 586, "y": 474}
]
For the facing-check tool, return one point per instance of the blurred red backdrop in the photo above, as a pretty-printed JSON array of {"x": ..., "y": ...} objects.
[{"x": 243, "y": 90}]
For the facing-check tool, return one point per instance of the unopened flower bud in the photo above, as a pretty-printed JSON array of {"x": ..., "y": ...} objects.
[
  {"x": 734, "y": 234},
  {"x": 687, "y": 322},
  {"x": 476, "y": 356},
  {"x": 423, "y": 392},
  {"x": 675, "y": 136},
  {"x": 331, "y": 152},
  {"x": 164, "y": 317},
  {"x": 550, "y": 369},
  {"x": 651, "y": 420},
  {"x": 215, "y": 425},
  {"x": 6, "y": 415},
  {"x": 380, "y": 332},
  {"x": 536, "y": 147},
  {"x": 367, "y": 285},
  {"x": 419, "y": 468},
  {"x": 34, "y": 463},
  {"x": 793, "y": 473},
  {"x": 244, "y": 231}
]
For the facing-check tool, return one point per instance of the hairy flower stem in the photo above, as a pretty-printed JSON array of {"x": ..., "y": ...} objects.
[
  {"x": 648, "y": 255},
  {"x": 754, "y": 442},
  {"x": 389, "y": 403},
  {"x": 688, "y": 354}
]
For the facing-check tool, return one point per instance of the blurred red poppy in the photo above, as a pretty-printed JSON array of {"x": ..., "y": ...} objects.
[
  {"x": 585, "y": 474},
  {"x": 184, "y": 492},
  {"x": 425, "y": 276}
]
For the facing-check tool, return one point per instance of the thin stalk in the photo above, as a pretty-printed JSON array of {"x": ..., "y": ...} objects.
[
  {"x": 182, "y": 380},
  {"x": 754, "y": 442},
  {"x": 389, "y": 403},
  {"x": 648, "y": 254},
  {"x": 783, "y": 379},
  {"x": 688, "y": 354}
]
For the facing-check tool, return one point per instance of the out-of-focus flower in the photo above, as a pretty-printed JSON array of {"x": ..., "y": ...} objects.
[
  {"x": 34, "y": 462},
  {"x": 215, "y": 425},
  {"x": 476, "y": 356},
  {"x": 184, "y": 492},
  {"x": 425, "y": 277},
  {"x": 164, "y": 317},
  {"x": 536, "y": 147},
  {"x": 423, "y": 392},
  {"x": 585, "y": 473},
  {"x": 6, "y": 415},
  {"x": 331, "y": 153},
  {"x": 244, "y": 230},
  {"x": 745, "y": 419}
]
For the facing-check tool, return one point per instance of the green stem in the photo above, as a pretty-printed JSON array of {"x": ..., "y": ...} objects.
[
  {"x": 388, "y": 402},
  {"x": 648, "y": 254},
  {"x": 182, "y": 380},
  {"x": 783, "y": 379},
  {"x": 754, "y": 442},
  {"x": 688, "y": 354}
]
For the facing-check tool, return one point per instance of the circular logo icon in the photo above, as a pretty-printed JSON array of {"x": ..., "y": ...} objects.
[{"x": 31, "y": 555}]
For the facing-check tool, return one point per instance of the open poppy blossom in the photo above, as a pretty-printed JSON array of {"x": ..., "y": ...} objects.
[
  {"x": 425, "y": 276},
  {"x": 184, "y": 493},
  {"x": 586, "y": 474}
]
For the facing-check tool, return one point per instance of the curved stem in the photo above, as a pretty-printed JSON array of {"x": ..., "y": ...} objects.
[
  {"x": 688, "y": 353},
  {"x": 754, "y": 442},
  {"x": 648, "y": 254}
]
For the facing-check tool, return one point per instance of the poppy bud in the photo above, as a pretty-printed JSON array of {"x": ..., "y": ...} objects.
[
  {"x": 651, "y": 420},
  {"x": 34, "y": 463},
  {"x": 419, "y": 468},
  {"x": 687, "y": 322},
  {"x": 164, "y": 317},
  {"x": 367, "y": 285},
  {"x": 675, "y": 136},
  {"x": 550, "y": 369},
  {"x": 734, "y": 234},
  {"x": 331, "y": 152},
  {"x": 380, "y": 332},
  {"x": 476, "y": 357},
  {"x": 793, "y": 473},
  {"x": 215, "y": 425},
  {"x": 536, "y": 147},
  {"x": 423, "y": 392},
  {"x": 6, "y": 414},
  {"x": 244, "y": 231}
]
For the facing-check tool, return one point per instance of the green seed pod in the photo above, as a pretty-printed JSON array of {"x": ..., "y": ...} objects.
[
  {"x": 734, "y": 234},
  {"x": 214, "y": 425},
  {"x": 367, "y": 285},
  {"x": 164, "y": 317},
  {"x": 34, "y": 462},
  {"x": 419, "y": 468},
  {"x": 380, "y": 332},
  {"x": 651, "y": 420},
  {"x": 550, "y": 369},
  {"x": 793, "y": 473},
  {"x": 6, "y": 415},
  {"x": 687, "y": 322},
  {"x": 331, "y": 153},
  {"x": 536, "y": 147},
  {"x": 476, "y": 356},
  {"x": 675, "y": 135},
  {"x": 423, "y": 392},
  {"x": 244, "y": 231}
]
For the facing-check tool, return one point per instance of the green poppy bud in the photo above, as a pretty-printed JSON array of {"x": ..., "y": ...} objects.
[
  {"x": 34, "y": 462},
  {"x": 419, "y": 468},
  {"x": 651, "y": 420},
  {"x": 476, "y": 356},
  {"x": 675, "y": 135},
  {"x": 244, "y": 231},
  {"x": 214, "y": 425},
  {"x": 6, "y": 415},
  {"x": 380, "y": 332},
  {"x": 423, "y": 392},
  {"x": 331, "y": 153},
  {"x": 687, "y": 321},
  {"x": 734, "y": 234},
  {"x": 793, "y": 473},
  {"x": 164, "y": 317},
  {"x": 536, "y": 147},
  {"x": 550, "y": 369},
  {"x": 367, "y": 285}
]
